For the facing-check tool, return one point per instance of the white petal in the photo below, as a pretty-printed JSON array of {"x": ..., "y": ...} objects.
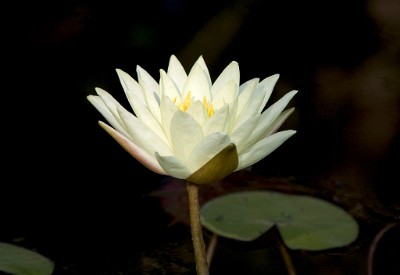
[
  {"x": 177, "y": 72},
  {"x": 278, "y": 122},
  {"x": 202, "y": 64},
  {"x": 168, "y": 87},
  {"x": 186, "y": 133},
  {"x": 111, "y": 103},
  {"x": 151, "y": 91},
  {"x": 142, "y": 156},
  {"x": 147, "y": 117},
  {"x": 98, "y": 103},
  {"x": 227, "y": 94},
  {"x": 197, "y": 84},
  {"x": 198, "y": 112},
  {"x": 207, "y": 149},
  {"x": 230, "y": 73},
  {"x": 243, "y": 132},
  {"x": 269, "y": 116},
  {"x": 266, "y": 87},
  {"x": 143, "y": 136},
  {"x": 250, "y": 110},
  {"x": 263, "y": 148},
  {"x": 218, "y": 121},
  {"x": 130, "y": 86},
  {"x": 167, "y": 109},
  {"x": 246, "y": 91},
  {"x": 173, "y": 166}
]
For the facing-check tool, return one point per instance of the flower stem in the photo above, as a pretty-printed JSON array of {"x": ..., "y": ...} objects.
[{"x": 196, "y": 229}]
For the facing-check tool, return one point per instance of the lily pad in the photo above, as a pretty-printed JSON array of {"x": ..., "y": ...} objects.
[
  {"x": 18, "y": 260},
  {"x": 304, "y": 222}
]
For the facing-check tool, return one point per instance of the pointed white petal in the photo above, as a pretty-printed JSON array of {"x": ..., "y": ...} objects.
[
  {"x": 197, "y": 84},
  {"x": 135, "y": 151},
  {"x": 130, "y": 86},
  {"x": 176, "y": 72},
  {"x": 186, "y": 133},
  {"x": 218, "y": 121},
  {"x": 246, "y": 91},
  {"x": 269, "y": 116},
  {"x": 151, "y": 91},
  {"x": 278, "y": 122},
  {"x": 143, "y": 136},
  {"x": 243, "y": 132},
  {"x": 207, "y": 149},
  {"x": 98, "y": 103},
  {"x": 167, "y": 109},
  {"x": 111, "y": 103},
  {"x": 198, "y": 112},
  {"x": 168, "y": 87},
  {"x": 200, "y": 61},
  {"x": 250, "y": 110},
  {"x": 147, "y": 117},
  {"x": 263, "y": 148},
  {"x": 230, "y": 73},
  {"x": 173, "y": 166},
  {"x": 227, "y": 94},
  {"x": 266, "y": 87}
]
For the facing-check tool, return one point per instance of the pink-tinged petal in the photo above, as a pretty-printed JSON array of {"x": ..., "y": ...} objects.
[{"x": 144, "y": 158}]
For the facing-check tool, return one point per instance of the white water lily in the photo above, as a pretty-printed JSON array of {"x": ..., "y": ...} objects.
[{"x": 188, "y": 127}]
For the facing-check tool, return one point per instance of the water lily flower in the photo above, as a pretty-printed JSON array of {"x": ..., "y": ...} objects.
[{"x": 188, "y": 127}]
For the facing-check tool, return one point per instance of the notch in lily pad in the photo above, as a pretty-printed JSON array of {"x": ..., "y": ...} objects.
[{"x": 304, "y": 222}]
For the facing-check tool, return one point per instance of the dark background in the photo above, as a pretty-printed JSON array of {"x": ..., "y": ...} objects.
[{"x": 69, "y": 189}]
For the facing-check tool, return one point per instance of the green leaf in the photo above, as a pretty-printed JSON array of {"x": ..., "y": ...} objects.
[
  {"x": 304, "y": 222},
  {"x": 18, "y": 260}
]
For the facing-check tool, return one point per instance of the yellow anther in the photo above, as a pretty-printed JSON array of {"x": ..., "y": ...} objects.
[
  {"x": 186, "y": 102},
  {"x": 209, "y": 107}
]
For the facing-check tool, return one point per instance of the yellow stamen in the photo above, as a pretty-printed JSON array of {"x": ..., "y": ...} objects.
[
  {"x": 209, "y": 107},
  {"x": 186, "y": 102}
]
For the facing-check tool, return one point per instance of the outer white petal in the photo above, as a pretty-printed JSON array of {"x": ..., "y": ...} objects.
[
  {"x": 230, "y": 73},
  {"x": 110, "y": 102},
  {"x": 98, "y": 103},
  {"x": 263, "y": 148},
  {"x": 143, "y": 136},
  {"x": 130, "y": 86},
  {"x": 243, "y": 132},
  {"x": 246, "y": 91},
  {"x": 151, "y": 91},
  {"x": 207, "y": 149},
  {"x": 167, "y": 109},
  {"x": 269, "y": 116},
  {"x": 173, "y": 166},
  {"x": 278, "y": 122},
  {"x": 197, "y": 84},
  {"x": 250, "y": 110},
  {"x": 147, "y": 117},
  {"x": 142, "y": 156},
  {"x": 266, "y": 87},
  {"x": 177, "y": 72},
  {"x": 186, "y": 133},
  {"x": 227, "y": 94}
]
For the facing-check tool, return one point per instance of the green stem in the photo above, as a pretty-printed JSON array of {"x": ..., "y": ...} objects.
[{"x": 197, "y": 230}]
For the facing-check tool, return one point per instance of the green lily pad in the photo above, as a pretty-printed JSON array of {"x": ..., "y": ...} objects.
[
  {"x": 18, "y": 260},
  {"x": 304, "y": 222}
]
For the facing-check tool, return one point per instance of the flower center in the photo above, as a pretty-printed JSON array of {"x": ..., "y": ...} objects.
[{"x": 185, "y": 104}]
